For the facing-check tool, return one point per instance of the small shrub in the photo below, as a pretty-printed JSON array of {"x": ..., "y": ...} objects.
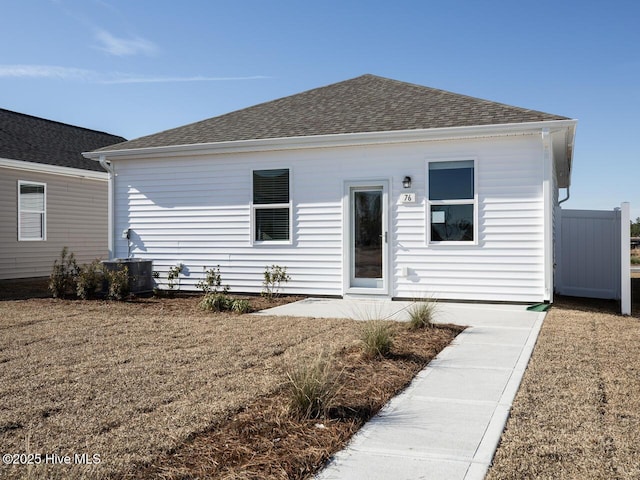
[
  {"x": 89, "y": 279},
  {"x": 421, "y": 313},
  {"x": 312, "y": 387},
  {"x": 239, "y": 305},
  {"x": 216, "y": 302},
  {"x": 274, "y": 277},
  {"x": 118, "y": 281},
  {"x": 377, "y": 338},
  {"x": 635, "y": 260},
  {"x": 221, "y": 302},
  {"x": 173, "y": 276},
  {"x": 212, "y": 281},
  {"x": 64, "y": 274}
]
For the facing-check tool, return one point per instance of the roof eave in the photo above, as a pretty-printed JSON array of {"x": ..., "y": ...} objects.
[
  {"x": 46, "y": 168},
  {"x": 563, "y": 149},
  {"x": 336, "y": 140}
]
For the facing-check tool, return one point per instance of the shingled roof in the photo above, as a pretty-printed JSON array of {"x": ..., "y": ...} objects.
[
  {"x": 363, "y": 104},
  {"x": 33, "y": 139}
]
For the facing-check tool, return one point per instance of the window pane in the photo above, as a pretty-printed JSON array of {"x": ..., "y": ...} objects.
[
  {"x": 451, "y": 223},
  {"x": 32, "y": 197},
  {"x": 31, "y": 225},
  {"x": 451, "y": 165},
  {"x": 451, "y": 180},
  {"x": 271, "y": 186},
  {"x": 368, "y": 233},
  {"x": 272, "y": 224}
]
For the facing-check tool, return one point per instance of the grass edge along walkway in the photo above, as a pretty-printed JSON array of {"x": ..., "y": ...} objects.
[{"x": 577, "y": 412}]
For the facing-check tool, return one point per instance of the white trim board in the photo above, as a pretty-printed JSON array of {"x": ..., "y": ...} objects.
[{"x": 25, "y": 166}]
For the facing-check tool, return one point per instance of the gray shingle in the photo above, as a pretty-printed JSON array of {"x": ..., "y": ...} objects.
[
  {"x": 33, "y": 139},
  {"x": 363, "y": 104}
]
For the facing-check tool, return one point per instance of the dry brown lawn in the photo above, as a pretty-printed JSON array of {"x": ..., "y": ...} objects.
[
  {"x": 130, "y": 380},
  {"x": 141, "y": 383},
  {"x": 577, "y": 413}
]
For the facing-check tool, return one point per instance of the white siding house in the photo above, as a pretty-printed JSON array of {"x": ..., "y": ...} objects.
[{"x": 354, "y": 192}]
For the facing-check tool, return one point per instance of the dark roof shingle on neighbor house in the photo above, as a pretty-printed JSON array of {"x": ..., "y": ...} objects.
[
  {"x": 363, "y": 104},
  {"x": 33, "y": 139}
]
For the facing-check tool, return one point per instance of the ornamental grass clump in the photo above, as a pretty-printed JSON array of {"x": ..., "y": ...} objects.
[
  {"x": 377, "y": 338},
  {"x": 422, "y": 313},
  {"x": 312, "y": 387}
]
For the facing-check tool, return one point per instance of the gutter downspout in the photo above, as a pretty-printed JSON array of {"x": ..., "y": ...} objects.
[
  {"x": 566, "y": 198},
  {"x": 547, "y": 195},
  {"x": 110, "y": 202}
]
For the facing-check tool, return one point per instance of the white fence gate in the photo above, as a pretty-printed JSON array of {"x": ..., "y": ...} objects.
[{"x": 591, "y": 257}]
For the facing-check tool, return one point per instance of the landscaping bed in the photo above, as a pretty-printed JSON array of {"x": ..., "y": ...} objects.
[{"x": 158, "y": 387}]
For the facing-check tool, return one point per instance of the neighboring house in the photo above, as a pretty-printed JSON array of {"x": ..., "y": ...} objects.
[
  {"x": 368, "y": 186},
  {"x": 50, "y": 195}
]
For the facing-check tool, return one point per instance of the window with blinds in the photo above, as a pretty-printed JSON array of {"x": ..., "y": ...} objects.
[
  {"x": 31, "y": 211},
  {"x": 271, "y": 205}
]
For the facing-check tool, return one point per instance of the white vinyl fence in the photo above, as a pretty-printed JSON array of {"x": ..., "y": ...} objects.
[{"x": 592, "y": 254}]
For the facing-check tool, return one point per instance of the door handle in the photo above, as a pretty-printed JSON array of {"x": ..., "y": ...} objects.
[{"x": 385, "y": 237}]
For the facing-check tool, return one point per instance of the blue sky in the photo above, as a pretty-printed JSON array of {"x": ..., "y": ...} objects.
[{"x": 137, "y": 67}]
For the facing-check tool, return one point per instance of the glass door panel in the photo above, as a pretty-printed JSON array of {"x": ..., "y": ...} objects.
[{"x": 367, "y": 237}]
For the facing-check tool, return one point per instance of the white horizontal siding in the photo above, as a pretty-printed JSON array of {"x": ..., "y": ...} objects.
[
  {"x": 507, "y": 262},
  {"x": 196, "y": 211},
  {"x": 206, "y": 203}
]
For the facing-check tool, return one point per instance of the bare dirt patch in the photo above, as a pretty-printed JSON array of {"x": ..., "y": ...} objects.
[
  {"x": 577, "y": 413},
  {"x": 146, "y": 384}
]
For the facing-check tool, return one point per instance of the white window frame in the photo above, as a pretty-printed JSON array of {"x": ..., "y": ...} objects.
[
  {"x": 453, "y": 201},
  {"x": 42, "y": 212},
  {"x": 288, "y": 205}
]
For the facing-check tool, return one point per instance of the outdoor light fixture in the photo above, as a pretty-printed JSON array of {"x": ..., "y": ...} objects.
[{"x": 406, "y": 182}]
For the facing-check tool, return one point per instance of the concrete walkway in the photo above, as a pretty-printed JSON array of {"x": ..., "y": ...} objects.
[{"x": 448, "y": 422}]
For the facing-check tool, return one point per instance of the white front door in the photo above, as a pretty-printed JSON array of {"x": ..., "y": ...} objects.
[{"x": 367, "y": 237}]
